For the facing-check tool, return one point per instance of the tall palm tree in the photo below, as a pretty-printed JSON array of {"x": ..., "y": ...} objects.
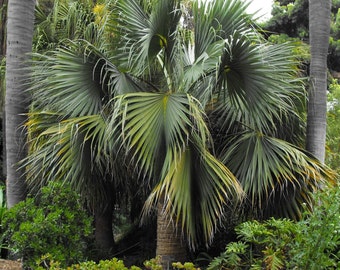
[
  {"x": 319, "y": 31},
  {"x": 196, "y": 114},
  {"x": 19, "y": 43}
]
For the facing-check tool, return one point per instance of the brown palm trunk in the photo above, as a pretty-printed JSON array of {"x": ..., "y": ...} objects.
[{"x": 170, "y": 243}]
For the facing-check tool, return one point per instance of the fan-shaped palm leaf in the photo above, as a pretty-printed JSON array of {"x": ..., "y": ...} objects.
[
  {"x": 69, "y": 151},
  {"x": 168, "y": 138},
  {"x": 146, "y": 31},
  {"x": 217, "y": 20},
  {"x": 151, "y": 121},
  {"x": 270, "y": 169},
  {"x": 77, "y": 80}
]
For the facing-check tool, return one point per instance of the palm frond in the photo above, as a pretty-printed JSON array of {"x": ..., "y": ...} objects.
[
  {"x": 271, "y": 170},
  {"x": 150, "y": 122},
  {"x": 252, "y": 87},
  {"x": 217, "y": 20},
  {"x": 64, "y": 82},
  {"x": 68, "y": 151},
  {"x": 197, "y": 187},
  {"x": 145, "y": 32},
  {"x": 77, "y": 80},
  {"x": 66, "y": 20}
]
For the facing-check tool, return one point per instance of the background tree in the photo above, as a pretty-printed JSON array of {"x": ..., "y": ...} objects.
[
  {"x": 19, "y": 43},
  {"x": 292, "y": 18},
  {"x": 279, "y": 30},
  {"x": 319, "y": 31}
]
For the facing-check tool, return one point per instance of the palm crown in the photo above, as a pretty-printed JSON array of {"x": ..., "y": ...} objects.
[{"x": 196, "y": 113}]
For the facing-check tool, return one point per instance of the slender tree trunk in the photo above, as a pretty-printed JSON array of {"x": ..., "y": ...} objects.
[
  {"x": 170, "y": 244},
  {"x": 319, "y": 31},
  {"x": 19, "y": 43}
]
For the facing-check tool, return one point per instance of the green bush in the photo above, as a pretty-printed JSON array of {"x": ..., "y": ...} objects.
[
  {"x": 312, "y": 243},
  {"x": 113, "y": 264},
  {"x": 317, "y": 244},
  {"x": 261, "y": 245},
  {"x": 52, "y": 222}
]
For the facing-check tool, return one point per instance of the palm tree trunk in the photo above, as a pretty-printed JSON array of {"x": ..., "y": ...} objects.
[
  {"x": 170, "y": 243},
  {"x": 19, "y": 43},
  {"x": 103, "y": 232},
  {"x": 103, "y": 226},
  {"x": 319, "y": 31}
]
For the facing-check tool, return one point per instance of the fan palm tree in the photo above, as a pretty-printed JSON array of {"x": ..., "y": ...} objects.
[{"x": 196, "y": 114}]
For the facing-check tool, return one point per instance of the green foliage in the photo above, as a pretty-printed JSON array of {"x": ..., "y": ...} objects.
[
  {"x": 261, "y": 245},
  {"x": 317, "y": 242},
  {"x": 57, "y": 21},
  {"x": 292, "y": 19},
  {"x": 114, "y": 263},
  {"x": 3, "y": 210},
  {"x": 46, "y": 262},
  {"x": 299, "y": 49},
  {"x": 155, "y": 264},
  {"x": 52, "y": 222},
  {"x": 312, "y": 243},
  {"x": 289, "y": 17},
  {"x": 333, "y": 127}
]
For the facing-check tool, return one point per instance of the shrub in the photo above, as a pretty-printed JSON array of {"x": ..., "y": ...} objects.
[
  {"x": 312, "y": 243},
  {"x": 317, "y": 243},
  {"x": 52, "y": 222},
  {"x": 114, "y": 263},
  {"x": 261, "y": 245}
]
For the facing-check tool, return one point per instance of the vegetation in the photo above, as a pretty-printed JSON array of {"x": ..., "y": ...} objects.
[
  {"x": 134, "y": 105},
  {"x": 312, "y": 243},
  {"x": 52, "y": 222}
]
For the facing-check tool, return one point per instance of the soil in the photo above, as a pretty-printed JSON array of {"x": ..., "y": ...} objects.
[{"x": 10, "y": 265}]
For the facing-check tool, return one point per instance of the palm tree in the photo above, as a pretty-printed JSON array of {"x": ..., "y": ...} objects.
[
  {"x": 19, "y": 43},
  {"x": 196, "y": 114},
  {"x": 319, "y": 31}
]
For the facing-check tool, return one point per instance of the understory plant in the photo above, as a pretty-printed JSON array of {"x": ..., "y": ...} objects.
[
  {"x": 52, "y": 222},
  {"x": 112, "y": 264},
  {"x": 317, "y": 242},
  {"x": 261, "y": 244},
  {"x": 311, "y": 243}
]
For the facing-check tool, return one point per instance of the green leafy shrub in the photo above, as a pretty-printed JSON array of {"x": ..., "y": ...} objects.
[
  {"x": 317, "y": 243},
  {"x": 113, "y": 264},
  {"x": 52, "y": 222},
  {"x": 312, "y": 243},
  {"x": 261, "y": 245}
]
